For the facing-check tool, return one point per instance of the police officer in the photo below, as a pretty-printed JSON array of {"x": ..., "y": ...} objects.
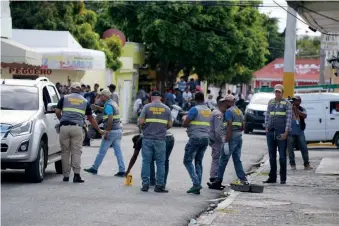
[
  {"x": 233, "y": 125},
  {"x": 278, "y": 120},
  {"x": 198, "y": 126},
  {"x": 155, "y": 118},
  {"x": 71, "y": 110},
  {"x": 215, "y": 140},
  {"x": 113, "y": 135}
]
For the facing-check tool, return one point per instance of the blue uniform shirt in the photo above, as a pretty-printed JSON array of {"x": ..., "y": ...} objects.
[{"x": 192, "y": 113}]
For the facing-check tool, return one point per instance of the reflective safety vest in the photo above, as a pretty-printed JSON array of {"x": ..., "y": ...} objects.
[
  {"x": 116, "y": 115},
  {"x": 277, "y": 115},
  {"x": 199, "y": 127},
  {"x": 156, "y": 116},
  {"x": 74, "y": 109},
  {"x": 237, "y": 119}
]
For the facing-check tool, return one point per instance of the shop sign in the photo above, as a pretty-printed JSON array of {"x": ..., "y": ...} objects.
[
  {"x": 67, "y": 62},
  {"x": 30, "y": 71}
]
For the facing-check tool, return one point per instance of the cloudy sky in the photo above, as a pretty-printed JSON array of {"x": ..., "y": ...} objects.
[{"x": 274, "y": 10}]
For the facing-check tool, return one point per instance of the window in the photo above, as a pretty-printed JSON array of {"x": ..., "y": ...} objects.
[
  {"x": 334, "y": 107},
  {"x": 27, "y": 100},
  {"x": 46, "y": 97},
  {"x": 53, "y": 94}
]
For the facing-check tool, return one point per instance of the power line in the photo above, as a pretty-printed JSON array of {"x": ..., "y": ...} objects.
[{"x": 320, "y": 14}]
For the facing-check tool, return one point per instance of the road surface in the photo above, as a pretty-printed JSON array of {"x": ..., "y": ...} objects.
[{"x": 104, "y": 200}]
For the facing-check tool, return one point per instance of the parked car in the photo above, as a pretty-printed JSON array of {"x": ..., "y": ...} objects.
[
  {"x": 255, "y": 111},
  {"x": 29, "y": 139}
]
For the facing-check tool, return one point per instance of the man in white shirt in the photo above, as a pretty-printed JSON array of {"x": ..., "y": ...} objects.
[{"x": 187, "y": 97}]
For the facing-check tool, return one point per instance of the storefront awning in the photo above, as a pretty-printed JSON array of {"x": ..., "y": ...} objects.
[
  {"x": 14, "y": 52},
  {"x": 72, "y": 59}
]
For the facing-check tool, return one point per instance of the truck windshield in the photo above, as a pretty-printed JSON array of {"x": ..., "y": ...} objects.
[{"x": 19, "y": 98}]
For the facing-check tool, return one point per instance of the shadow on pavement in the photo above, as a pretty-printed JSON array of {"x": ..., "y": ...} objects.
[{"x": 19, "y": 177}]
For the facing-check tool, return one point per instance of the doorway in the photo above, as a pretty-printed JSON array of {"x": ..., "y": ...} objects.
[{"x": 125, "y": 100}]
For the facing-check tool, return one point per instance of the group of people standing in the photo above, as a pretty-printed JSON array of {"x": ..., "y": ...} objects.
[{"x": 221, "y": 129}]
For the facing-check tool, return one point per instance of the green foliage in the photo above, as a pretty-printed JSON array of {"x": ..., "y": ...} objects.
[
  {"x": 308, "y": 47},
  {"x": 276, "y": 40},
  {"x": 67, "y": 16},
  {"x": 221, "y": 43}
]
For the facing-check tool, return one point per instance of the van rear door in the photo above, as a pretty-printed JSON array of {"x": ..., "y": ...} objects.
[{"x": 316, "y": 120}]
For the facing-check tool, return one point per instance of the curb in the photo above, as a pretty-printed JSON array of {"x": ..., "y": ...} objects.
[{"x": 207, "y": 218}]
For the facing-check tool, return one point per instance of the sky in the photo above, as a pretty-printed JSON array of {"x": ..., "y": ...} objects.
[{"x": 274, "y": 10}]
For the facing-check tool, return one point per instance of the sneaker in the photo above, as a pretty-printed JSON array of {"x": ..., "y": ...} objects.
[
  {"x": 194, "y": 189},
  {"x": 144, "y": 188},
  {"x": 77, "y": 179},
  {"x": 91, "y": 170},
  {"x": 293, "y": 167},
  {"x": 308, "y": 167},
  {"x": 160, "y": 189},
  {"x": 120, "y": 174}
]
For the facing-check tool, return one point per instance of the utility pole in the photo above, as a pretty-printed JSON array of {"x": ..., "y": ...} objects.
[
  {"x": 322, "y": 67},
  {"x": 290, "y": 50}
]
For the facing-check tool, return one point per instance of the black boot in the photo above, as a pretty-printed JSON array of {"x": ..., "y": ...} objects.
[
  {"x": 77, "y": 179},
  {"x": 216, "y": 185},
  {"x": 160, "y": 189},
  {"x": 212, "y": 179},
  {"x": 270, "y": 181}
]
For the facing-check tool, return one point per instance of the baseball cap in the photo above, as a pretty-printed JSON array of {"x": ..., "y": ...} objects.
[
  {"x": 106, "y": 93},
  {"x": 156, "y": 93},
  {"x": 296, "y": 98},
  {"x": 75, "y": 85},
  {"x": 279, "y": 87},
  {"x": 229, "y": 97}
]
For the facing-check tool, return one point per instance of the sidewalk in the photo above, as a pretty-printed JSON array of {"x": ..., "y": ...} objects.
[{"x": 308, "y": 198}]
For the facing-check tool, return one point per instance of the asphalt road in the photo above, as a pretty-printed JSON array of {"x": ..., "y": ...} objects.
[{"x": 104, "y": 200}]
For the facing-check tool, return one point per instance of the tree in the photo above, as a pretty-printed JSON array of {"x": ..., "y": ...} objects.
[
  {"x": 67, "y": 16},
  {"x": 276, "y": 40},
  {"x": 220, "y": 43},
  {"x": 308, "y": 47}
]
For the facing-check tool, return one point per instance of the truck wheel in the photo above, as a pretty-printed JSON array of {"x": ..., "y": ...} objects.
[
  {"x": 58, "y": 167},
  {"x": 336, "y": 141},
  {"x": 36, "y": 170}
]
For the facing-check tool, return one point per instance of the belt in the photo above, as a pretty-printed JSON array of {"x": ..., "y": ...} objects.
[{"x": 69, "y": 124}]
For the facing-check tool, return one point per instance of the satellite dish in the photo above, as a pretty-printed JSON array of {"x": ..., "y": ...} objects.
[{"x": 110, "y": 32}]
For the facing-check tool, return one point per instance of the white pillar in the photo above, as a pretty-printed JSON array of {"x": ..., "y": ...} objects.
[{"x": 290, "y": 50}]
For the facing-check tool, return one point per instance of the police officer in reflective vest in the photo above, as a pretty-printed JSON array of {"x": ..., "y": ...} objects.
[
  {"x": 278, "y": 119},
  {"x": 198, "y": 126},
  {"x": 233, "y": 125},
  {"x": 113, "y": 135},
  {"x": 215, "y": 138},
  {"x": 71, "y": 110},
  {"x": 155, "y": 118}
]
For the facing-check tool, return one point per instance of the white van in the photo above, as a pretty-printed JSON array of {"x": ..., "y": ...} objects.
[{"x": 322, "y": 122}]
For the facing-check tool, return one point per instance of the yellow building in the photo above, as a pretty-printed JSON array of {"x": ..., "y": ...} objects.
[{"x": 126, "y": 78}]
